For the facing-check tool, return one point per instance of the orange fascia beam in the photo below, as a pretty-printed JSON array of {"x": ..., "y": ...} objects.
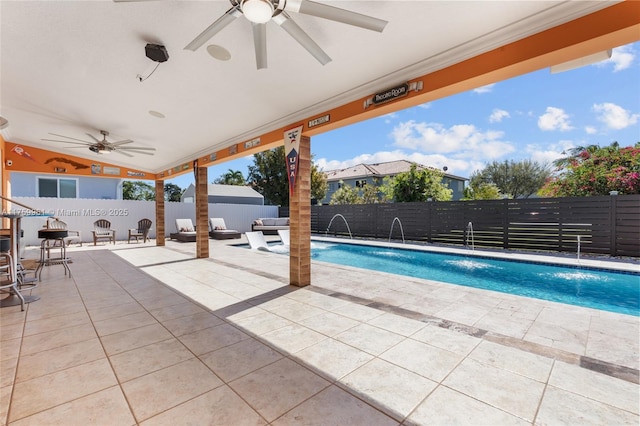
[
  {"x": 37, "y": 160},
  {"x": 611, "y": 27}
]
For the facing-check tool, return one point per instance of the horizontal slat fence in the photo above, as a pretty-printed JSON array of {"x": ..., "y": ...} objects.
[{"x": 601, "y": 225}]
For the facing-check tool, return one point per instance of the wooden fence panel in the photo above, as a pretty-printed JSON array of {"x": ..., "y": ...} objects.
[{"x": 603, "y": 225}]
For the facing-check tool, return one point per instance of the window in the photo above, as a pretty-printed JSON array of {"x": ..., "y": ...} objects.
[
  {"x": 57, "y": 188},
  {"x": 361, "y": 183}
]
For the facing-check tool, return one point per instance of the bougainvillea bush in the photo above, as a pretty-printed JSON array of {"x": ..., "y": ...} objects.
[{"x": 596, "y": 170}]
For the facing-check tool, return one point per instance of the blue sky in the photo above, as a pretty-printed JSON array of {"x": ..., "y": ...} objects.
[{"x": 535, "y": 116}]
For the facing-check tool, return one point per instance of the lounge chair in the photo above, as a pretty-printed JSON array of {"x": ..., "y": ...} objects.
[
  {"x": 257, "y": 241},
  {"x": 186, "y": 232},
  {"x": 218, "y": 230},
  {"x": 284, "y": 235},
  {"x": 142, "y": 231},
  {"x": 102, "y": 231}
]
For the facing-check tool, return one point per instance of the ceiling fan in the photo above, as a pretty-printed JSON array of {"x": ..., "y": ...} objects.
[
  {"x": 103, "y": 146},
  {"x": 259, "y": 12}
]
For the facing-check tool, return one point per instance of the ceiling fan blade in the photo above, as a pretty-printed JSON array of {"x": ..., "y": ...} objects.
[
  {"x": 294, "y": 30},
  {"x": 136, "y": 151},
  {"x": 93, "y": 137},
  {"x": 260, "y": 44},
  {"x": 75, "y": 143},
  {"x": 332, "y": 13},
  {"x": 213, "y": 29},
  {"x": 122, "y": 152},
  {"x": 143, "y": 148},
  {"x": 69, "y": 137},
  {"x": 122, "y": 142}
]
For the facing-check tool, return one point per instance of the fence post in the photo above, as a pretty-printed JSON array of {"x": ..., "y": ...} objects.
[
  {"x": 613, "y": 203},
  {"x": 429, "y": 221},
  {"x": 505, "y": 225}
]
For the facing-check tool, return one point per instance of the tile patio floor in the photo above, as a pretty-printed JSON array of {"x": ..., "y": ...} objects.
[{"x": 145, "y": 335}]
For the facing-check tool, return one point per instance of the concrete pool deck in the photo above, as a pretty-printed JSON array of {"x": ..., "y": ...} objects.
[{"x": 149, "y": 335}]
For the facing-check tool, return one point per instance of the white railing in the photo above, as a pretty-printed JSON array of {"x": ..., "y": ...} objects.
[{"x": 79, "y": 214}]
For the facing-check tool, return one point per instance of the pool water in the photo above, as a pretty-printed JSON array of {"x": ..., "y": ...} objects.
[{"x": 610, "y": 291}]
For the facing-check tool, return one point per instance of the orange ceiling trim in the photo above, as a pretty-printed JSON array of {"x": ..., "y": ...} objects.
[{"x": 24, "y": 158}]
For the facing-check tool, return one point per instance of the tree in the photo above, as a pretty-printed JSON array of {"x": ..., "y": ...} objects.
[
  {"x": 420, "y": 185},
  {"x": 138, "y": 190},
  {"x": 232, "y": 177},
  {"x": 319, "y": 185},
  {"x": 371, "y": 194},
  {"x": 268, "y": 175},
  {"x": 595, "y": 170},
  {"x": 345, "y": 194},
  {"x": 482, "y": 191},
  {"x": 514, "y": 179},
  {"x": 172, "y": 192}
]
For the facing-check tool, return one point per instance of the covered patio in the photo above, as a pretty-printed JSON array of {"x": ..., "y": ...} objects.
[{"x": 151, "y": 335}]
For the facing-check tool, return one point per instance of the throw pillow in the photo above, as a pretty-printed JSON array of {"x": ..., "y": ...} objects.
[
  {"x": 257, "y": 222},
  {"x": 219, "y": 228}
]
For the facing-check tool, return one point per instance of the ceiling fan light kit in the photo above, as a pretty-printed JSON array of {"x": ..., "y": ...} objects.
[{"x": 257, "y": 11}]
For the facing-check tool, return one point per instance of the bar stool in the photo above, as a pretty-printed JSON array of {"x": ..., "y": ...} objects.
[
  {"x": 9, "y": 282},
  {"x": 52, "y": 238}
]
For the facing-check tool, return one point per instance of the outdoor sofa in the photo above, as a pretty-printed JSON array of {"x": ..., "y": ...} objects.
[{"x": 270, "y": 225}]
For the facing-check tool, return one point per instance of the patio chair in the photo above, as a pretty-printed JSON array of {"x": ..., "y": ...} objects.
[
  {"x": 257, "y": 241},
  {"x": 142, "y": 231},
  {"x": 186, "y": 232},
  {"x": 73, "y": 236},
  {"x": 218, "y": 230},
  {"x": 102, "y": 231}
]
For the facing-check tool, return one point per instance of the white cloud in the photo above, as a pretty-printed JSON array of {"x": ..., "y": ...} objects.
[
  {"x": 465, "y": 140},
  {"x": 590, "y": 130},
  {"x": 497, "y": 115},
  {"x": 621, "y": 58},
  {"x": 614, "y": 116},
  {"x": 548, "y": 154},
  {"x": 388, "y": 118},
  {"x": 484, "y": 89},
  {"x": 554, "y": 119}
]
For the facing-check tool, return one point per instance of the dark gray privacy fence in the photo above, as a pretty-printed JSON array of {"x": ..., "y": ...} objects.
[{"x": 602, "y": 225}]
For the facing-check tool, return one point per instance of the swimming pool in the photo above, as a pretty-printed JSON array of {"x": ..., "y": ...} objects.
[{"x": 610, "y": 291}]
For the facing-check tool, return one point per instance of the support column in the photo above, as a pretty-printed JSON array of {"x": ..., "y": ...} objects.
[
  {"x": 202, "y": 213},
  {"x": 300, "y": 220},
  {"x": 160, "y": 213}
]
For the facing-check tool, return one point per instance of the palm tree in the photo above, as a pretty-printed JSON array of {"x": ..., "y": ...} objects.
[{"x": 232, "y": 177}]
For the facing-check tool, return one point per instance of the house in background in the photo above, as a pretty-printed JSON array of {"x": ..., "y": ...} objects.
[
  {"x": 374, "y": 174},
  {"x": 225, "y": 194}
]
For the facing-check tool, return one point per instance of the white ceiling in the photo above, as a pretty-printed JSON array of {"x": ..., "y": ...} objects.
[{"x": 70, "y": 67}]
